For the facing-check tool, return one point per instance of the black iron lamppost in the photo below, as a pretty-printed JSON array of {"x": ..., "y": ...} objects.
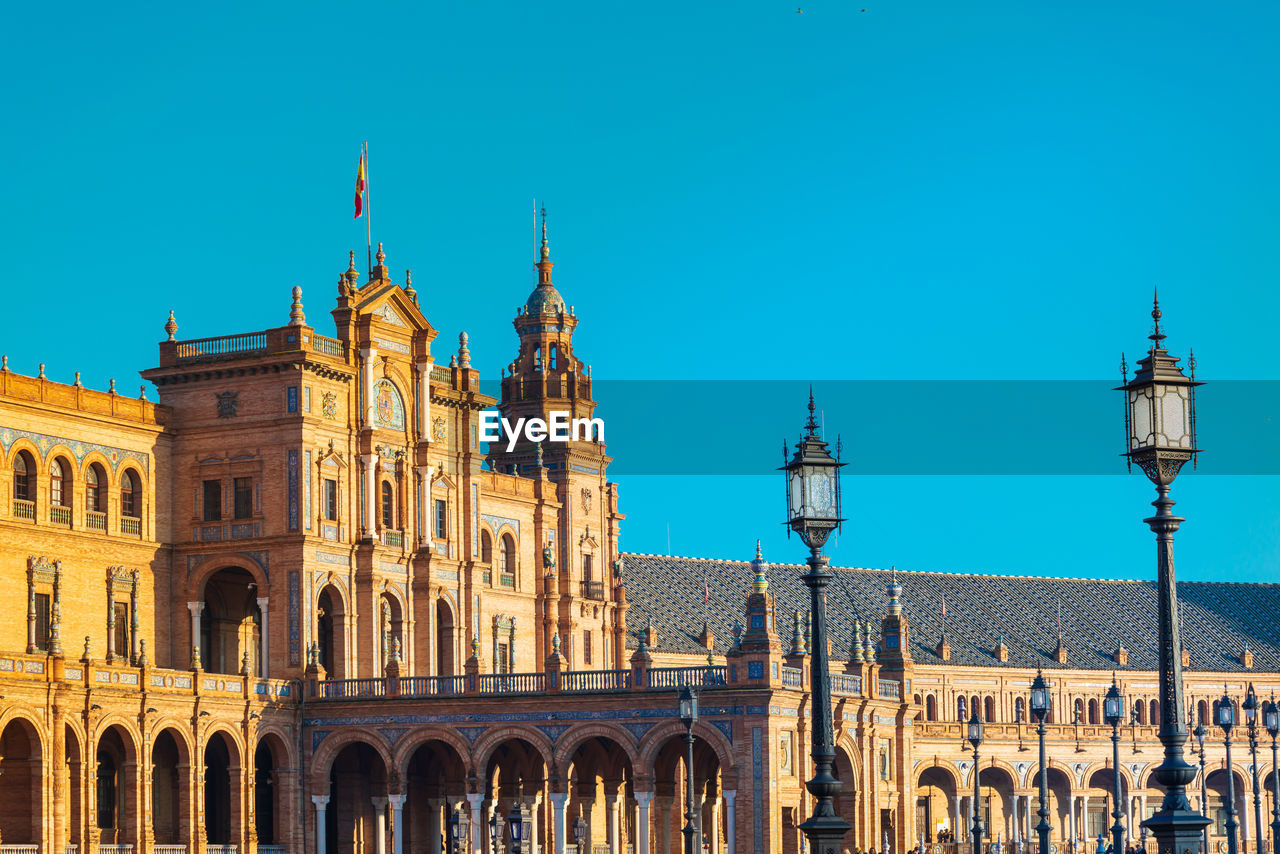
[
  {"x": 1160, "y": 427},
  {"x": 459, "y": 822},
  {"x": 1271, "y": 720},
  {"x": 688, "y": 716},
  {"x": 975, "y": 738},
  {"x": 520, "y": 824},
  {"x": 1250, "y": 709},
  {"x": 1200, "y": 733},
  {"x": 579, "y": 832},
  {"x": 1040, "y": 701},
  {"x": 813, "y": 512},
  {"x": 1227, "y": 719},
  {"x": 1113, "y": 713},
  {"x": 495, "y": 832}
]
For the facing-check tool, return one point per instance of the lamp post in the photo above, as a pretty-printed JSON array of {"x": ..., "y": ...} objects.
[
  {"x": 975, "y": 738},
  {"x": 1040, "y": 701},
  {"x": 459, "y": 822},
  {"x": 520, "y": 824},
  {"x": 1250, "y": 709},
  {"x": 495, "y": 832},
  {"x": 1113, "y": 713},
  {"x": 688, "y": 716},
  {"x": 1271, "y": 720},
  {"x": 1200, "y": 733},
  {"x": 1160, "y": 427},
  {"x": 813, "y": 512},
  {"x": 1227, "y": 719},
  {"x": 579, "y": 832}
]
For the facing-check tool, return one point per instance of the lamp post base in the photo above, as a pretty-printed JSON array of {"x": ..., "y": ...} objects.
[
  {"x": 1179, "y": 831},
  {"x": 825, "y": 833}
]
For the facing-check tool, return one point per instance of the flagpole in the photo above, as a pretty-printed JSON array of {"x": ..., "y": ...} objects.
[{"x": 369, "y": 215}]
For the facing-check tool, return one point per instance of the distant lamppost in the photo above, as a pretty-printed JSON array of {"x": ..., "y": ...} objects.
[
  {"x": 1040, "y": 710},
  {"x": 688, "y": 716},
  {"x": 1113, "y": 713},
  {"x": 1250, "y": 709},
  {"x": 495, "y": 832},
  {"x": 1160, "y": 428},
  {"x": 1271, "y": 720},
  {"x": 975, "y": 738},
  {"x": 459, "y": 822},
  {"x": 579, "y": 832},
  {"x": 1200, "y": 733},
  {"x": 813, "y": 512},
  {"x": 520, "y": 824},
  {"x": 1226, "y": 720}
]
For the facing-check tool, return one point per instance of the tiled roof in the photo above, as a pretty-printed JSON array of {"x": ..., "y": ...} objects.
[{"x": 1097, "y": 615}]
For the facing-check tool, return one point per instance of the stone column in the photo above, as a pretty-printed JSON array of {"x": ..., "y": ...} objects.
[
  {"x": 397, "y": 823},
  {"x": 434, "y": 826},
  {"x": 1015, "y": 834},
  {"x": 379, "y": 825},
  {"x": 477, "y": 802},
  {"x": 969, "y": 827},
  {"x": 643, "y": 800},
  {"x": 195, "y": 608},
  {"x": 1071, "y": 818},
  {"x": 730, "y": 820},
  {"x": 424, "y": 399},
  {"x": 135, "y": 621},
  {"x": 534, "y": 803},
  {"x": 559, "y": 830},
  {"x": 613, "y": 804},
  {"x": 423, "y": 496},
  {"x": 957, "y": 831},
  {"x": 368, "y": 506},
  {"x": 664, "y": 823},
  {"x": 321, "y": 801},
  {"x": 1242, "y": 809},
  {"x": 367, "y": 357},
  {"x": 715, "y": 825},
  {"x": 264, "y": 648}
]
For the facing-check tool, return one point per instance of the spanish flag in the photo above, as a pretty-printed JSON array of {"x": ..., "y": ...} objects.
[{"x": 360, "y": 187}]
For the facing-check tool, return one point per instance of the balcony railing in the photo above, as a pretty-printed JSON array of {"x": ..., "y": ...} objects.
[
  {"x": 24, "y": 509},
  {"x": 20, "y": 849},
  {"x": 890, "y": 690},
  {"x": 60, "y": 515},
  {"x": 177, "y": 849},
  {"x": 430, "y": 686},
  {"x": 595, "y": 680},
  {"x": 346, "y": 689},
  {"x": 330, "y": 347},
  {"x": 115, "y": 849},
  {"x": 593, "y": 590},
  {"x": 792, "y": 677},
  {"x": 844, "y": 683},
  {"x": 129, "y": 526},
  {"x": 507, "y": 580},
  {"x": 272, "y": 849},
  {"x": 678, "y": 677},
  {"x": 220, "y": 849},
  {"x": 392, "y": 538},
  {"x": 95, "y": 521},
  {"x": 224, "y": 345},
  {"x": 512, "y": 683}
]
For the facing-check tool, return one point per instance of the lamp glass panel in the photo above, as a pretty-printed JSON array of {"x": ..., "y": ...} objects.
[
  {"x": 820, "y": 491},
  {"x": 1140, "y": 419},
  {"x": 1113, "y": 708},
  {"x": 1225, "y": 714},
  {"x": 1172, "y": 414},
  {"x": 1271, "y": 718},
  {"x": 797, "y": 494}
]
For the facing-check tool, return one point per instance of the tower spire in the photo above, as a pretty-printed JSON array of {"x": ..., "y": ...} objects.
[{"x": 544, "y": 264}]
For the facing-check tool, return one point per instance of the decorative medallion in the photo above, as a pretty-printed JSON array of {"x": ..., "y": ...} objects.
[
  {"x": 437, "y": 427},
  {"x": 586, "y": 500},
  {"x": 388, "y": 410},
  {"x": 227, "y": 403},
  {"x": 329, "y": 404}
]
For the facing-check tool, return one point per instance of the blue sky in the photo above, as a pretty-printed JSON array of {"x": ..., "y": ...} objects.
[{"x": 923, "y": 190}]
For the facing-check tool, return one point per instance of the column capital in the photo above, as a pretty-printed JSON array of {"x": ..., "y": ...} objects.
[
  {"x": 321, "y": 801},
  {"x": 379, "y": 803},
  {"x": 729, "y": 795},
  {"x": 644, "y": 799},
  {"x": 195, "y": 608},
  {"x": 397, "y": 801},
  {"x": 559, "y": 799},
  {"x": 262, "y": 602},
  {"x": 475, "y": 800}
]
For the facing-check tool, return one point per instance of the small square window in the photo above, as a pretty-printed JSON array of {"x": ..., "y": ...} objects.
[{"x": 331, "y": 499}]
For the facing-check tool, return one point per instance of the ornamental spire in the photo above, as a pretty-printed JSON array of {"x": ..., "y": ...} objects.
[
  {"x": 544, "y": 264},
  {"x": 1157, "y": 336}
]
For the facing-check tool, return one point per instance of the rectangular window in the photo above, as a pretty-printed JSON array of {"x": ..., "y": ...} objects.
[
  {"x": 586, "y": 647},
  {"x": 212, "y": 500},
  {"x": 504, "y": 658},
  {"x": 331, "y": 499},
  {"x": 122, "y": 629},
  {"x": 306, "y": 398},
  {"x": 244, "y": 497},
  {"x": 441, "y": 520},
  {"x": 586, "y": 568},
  {"x": 42, "y": 622},
  {"x": 293, "y": 398}
]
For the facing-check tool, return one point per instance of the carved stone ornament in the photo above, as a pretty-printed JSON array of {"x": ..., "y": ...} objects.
[
  {"x": 227, "y": 403},
  {"x": 586, "y": 500},
  {"x": 329, "y": 405},
  {"x": 437, "y": 427}
]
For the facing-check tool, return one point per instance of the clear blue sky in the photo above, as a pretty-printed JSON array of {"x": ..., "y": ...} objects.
[{"x": 924, "y": 190}]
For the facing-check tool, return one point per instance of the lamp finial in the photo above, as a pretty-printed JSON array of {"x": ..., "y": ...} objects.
[
  {"x": 811, "y": 425},
  {"x": 1157, "y": 336}
]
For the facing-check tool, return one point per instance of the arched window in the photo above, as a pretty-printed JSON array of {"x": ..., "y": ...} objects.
[
  {"x": 990, "y": 713},
  {"x": 130, "y": 501},
  {"x": 930, "y": 708},
  {"x": 1202, "y": 709},
  {"x": 1154, "y": 712},
  {"x": 59, "y": 483},
  {"x": 1140, "y": 713},
  {"x": 388, "y": 506},
  {"x": 1079, "y": 712},
  {"x": 486, "y": 547},
  {"x": 975, "y": 706},
  {"x": 917, "y": 699},
  {"x": 555, "y": 357},
  {"x": 1093, "y": 711},
  {"x": 537, "y": 358},
  {"x": 507, "y": 559},
  {"x": 94, "y": 496},
  {"x": 24, "y": 468},
  {"x": 962, "y": 714}
]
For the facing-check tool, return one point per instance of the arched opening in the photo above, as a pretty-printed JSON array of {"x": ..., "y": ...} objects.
[
  {"x": 59, "y": 483},
  {"x": 1098, "y": 821},
  {"x": 1020, "y": 710},
  {"x": 1093, "y": 712},
  {"x": 935, "y": 794},
  {"x": 21, "y": 783},
  {"x": 997, "y": 789},
  {"x": 72, "y": 791},
  {"x": 390, "y": 627},
  {"x": 962, "y": 709},
  {"x": 1060, "y": 786},
  {"x": 357, "y": 775},
  {"x": 507, "y": 558},
  {"x": 975, "y": 706},
  {"x": 1202, "y": 712},
  {"x": 1216, "y": 791},
  {"x": 1140, "y": 713},
  {"x": 537, "y": 358},
  {"x": 221, "y": 790},
  {"x": 95, "y": 496},
  {"x": 24, "y": 472},
  {"x": 130, "y": 495},
  {"x": 269, "y": 803},
  {"x": 444, "y": 639},
  {"x": 115, "y": 795},
  {"x": 169, "y": 795},
  {"x": 555, "y": 357},
  {"x": 1153, "y": 712},
  {"x": 486, "y": 547},
  {"x": 1077, "y": 716},
  {"x": 670, "y": 777},
  {"x": 232, "y": 624},
  {"x": 331, "y": 632},
  {"x": 600, "y": 783},
  {"x": 847, "y": 800},
  {"x": 989, "y": 709},
  {"x": 436, "y": 781},
  {"x": 388, "y": 506},
  {"x": 930, "y": 707}
]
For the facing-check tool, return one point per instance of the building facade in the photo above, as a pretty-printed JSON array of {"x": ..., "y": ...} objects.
[{"x": 296, "y": 604}]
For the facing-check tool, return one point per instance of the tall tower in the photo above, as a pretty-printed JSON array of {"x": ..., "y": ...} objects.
[{"x": 586, "y": 602}]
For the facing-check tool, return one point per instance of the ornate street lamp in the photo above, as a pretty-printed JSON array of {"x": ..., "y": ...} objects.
[
  {"x": 459, "y": 822},
  {"x": 520, "y": 824},
  {"x": 579, "y": 832},
  {"x": 975, "y": 738},
  {"x": 1271, "y": 720},
  {"x": 495, "y": 832},
  {"x": 1226, "y": 720},
  {"x": 688, "y": 716},
  {"x": 1200, "y": 733},
  {"x": 813, "y": 512},
  {"x": 1250, "y": 709},
  {"x": 1040, "y": 702},
  {"x": 1113, "y": 713},
  {"x": 1160, "y": 427}
]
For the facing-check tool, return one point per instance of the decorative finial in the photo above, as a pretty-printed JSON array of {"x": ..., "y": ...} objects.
[
  {"x": 296, "y": 315},
  {"x": 464, "y": 355},
  {"x": 1191, "y": 362},
  {"x": 4, "y": 364},
  {"x": 86, "y": 648},
  {"x": 812, "y": 425},
  {"x": 142, "y": 653},
  {"x": 537, "y": 454},
  {"x": 759, "y": 555},
  {"x": 475, "y": 646},
  {"x": 380, "y": 256},
  {"x": 1157, "y": 336},
  {"x": 42, "y": 376},
  {"x": 395, "y": 649},
  {"x": 544, "y": 251},
  {"x": 351, "y": 262},
  {"x": 112, "y": 387},
  {"x": 408, "y": 286},
  {"x": 195, "y": 657},
  {"x": 142, "y": 392},
  {"x": 77, "y": 383},
  {"x": 171, "y": 326},
  {"x": 244, "y": 664},
  {"x": 555, "y": 643}
]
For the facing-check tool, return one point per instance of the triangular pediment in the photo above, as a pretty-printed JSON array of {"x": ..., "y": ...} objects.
[
  {"x": 388, "y": 304},
  {"x": 443, "y": 480}
]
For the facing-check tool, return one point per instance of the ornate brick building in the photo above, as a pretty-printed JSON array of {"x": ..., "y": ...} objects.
[{"x": 295, "y": 605}]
